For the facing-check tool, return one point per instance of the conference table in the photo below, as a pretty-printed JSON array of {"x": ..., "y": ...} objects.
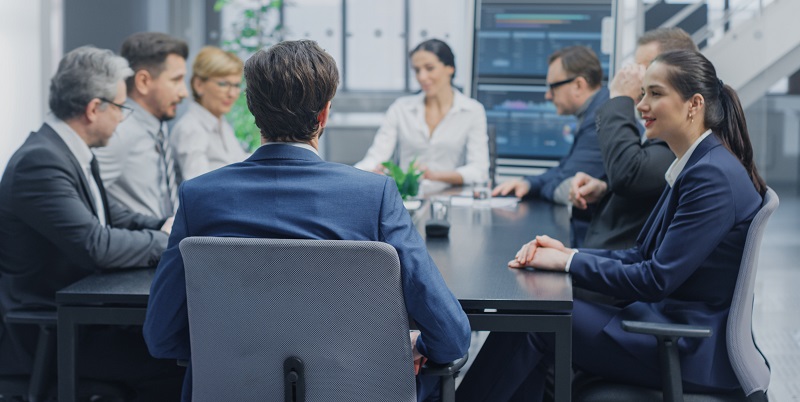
[{"x": 472, "y": 259}]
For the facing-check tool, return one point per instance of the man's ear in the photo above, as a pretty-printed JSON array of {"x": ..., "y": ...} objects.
[
  {"x": 141, "y": 81},
  {"x": 324, "y": 114},
  {"x": 92, "y": 111}
]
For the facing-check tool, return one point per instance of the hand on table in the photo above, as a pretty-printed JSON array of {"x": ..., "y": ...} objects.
[
  {"x": 519, "y": 188},
  {"x": 543, "y": 252}
]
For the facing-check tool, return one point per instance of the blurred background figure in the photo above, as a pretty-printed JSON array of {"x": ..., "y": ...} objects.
[
  {"x": 442, "y": 128},
  {"x": 203, "y": 140}
]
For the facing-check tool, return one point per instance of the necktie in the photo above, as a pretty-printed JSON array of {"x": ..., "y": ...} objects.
[
  {"x": 94, "y": 166},
  {"x": 169, "y": 167}
]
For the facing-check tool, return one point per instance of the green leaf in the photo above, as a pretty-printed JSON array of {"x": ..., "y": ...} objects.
[
  {"x": 249, "y": 14},
  {"x": 219, "y": 4}
]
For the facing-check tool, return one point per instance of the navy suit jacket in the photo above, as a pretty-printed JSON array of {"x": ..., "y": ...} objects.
[
  {"x": 684, "y": 267},
  {"x": 283, "y": 191},
  {"x": 584, "y": 155}
]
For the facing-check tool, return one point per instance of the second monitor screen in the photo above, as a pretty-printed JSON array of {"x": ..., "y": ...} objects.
[
  {"x": 516, "y": 40},
  {"x": 525, "y": 124}
]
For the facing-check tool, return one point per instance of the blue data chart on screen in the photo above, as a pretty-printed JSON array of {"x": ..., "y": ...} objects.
[
  {"x": 526, "y": 125},
  {"x": 516, "y": 40}
]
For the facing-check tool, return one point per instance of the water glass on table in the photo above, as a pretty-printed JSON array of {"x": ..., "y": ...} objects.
[{"x": 482, "y": 194}]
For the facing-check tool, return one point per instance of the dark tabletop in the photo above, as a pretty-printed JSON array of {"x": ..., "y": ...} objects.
[{"x": 473, "y": 261}]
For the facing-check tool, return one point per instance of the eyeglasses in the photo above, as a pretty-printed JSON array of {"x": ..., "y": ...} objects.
[
  {"x": 126, "y": 111},
  {"x": 551, "y": 86},
  {"x": 227, "y": 85}
]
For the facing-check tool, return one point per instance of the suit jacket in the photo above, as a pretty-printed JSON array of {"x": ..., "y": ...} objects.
[
  {"x": 684, "y": 267},
  {"x": 283, "y": 191},
  {"x": 50, "y": 236},
  {"x": 634, "y": 173},
  {"x": 584, "y": 155}
]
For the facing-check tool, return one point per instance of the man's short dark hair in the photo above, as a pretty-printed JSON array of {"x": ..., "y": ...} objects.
[
  {"x": 149, "y": 50},
  {"x": 288, "y": 85},
  {"x": 668, "y": 39},
  {"x": 580, "y": 61}
]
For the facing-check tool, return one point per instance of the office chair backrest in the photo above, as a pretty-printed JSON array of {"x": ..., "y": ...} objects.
[
  {"x": 336, "y": 305},
  {"x": 748, "y": 363}
]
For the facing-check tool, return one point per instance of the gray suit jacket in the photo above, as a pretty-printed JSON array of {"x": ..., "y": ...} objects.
[
  {"x": 50, "y": 236},
  {"x": 634, "y": 173}
]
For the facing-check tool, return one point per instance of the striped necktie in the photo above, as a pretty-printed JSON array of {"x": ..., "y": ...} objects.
[{"x": 169, "y": 167}]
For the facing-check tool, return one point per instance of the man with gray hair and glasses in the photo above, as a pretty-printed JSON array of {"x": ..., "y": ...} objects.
[{"x": 59, "y": 226}]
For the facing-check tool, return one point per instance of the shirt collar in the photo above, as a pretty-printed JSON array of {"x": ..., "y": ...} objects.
[
  {"x": 582, "y": 110},
  {"x": 459, "y": 101},
  {"x": 74, "y": 142},
  {"x": 295, "y": 144},
  {"x": 143, "y": 117},
  {"x": 677, "y": 165},
  {"x": 206, "y": 118}
]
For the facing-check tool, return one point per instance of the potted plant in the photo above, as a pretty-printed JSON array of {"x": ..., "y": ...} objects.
[
  {"x": 407, "y": 181},
  {"x": 255, "y": 28}
]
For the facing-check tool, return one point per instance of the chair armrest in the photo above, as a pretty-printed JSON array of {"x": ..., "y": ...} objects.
[
  {"x": 34, "y": 317},
  {"x": 670, "y": 330},
  {"x": 445, "y": 369}
]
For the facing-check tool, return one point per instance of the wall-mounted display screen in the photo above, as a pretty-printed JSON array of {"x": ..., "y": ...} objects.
[
  {"x": 526, "y": 125},
  {"x": 515, "y": 40}
]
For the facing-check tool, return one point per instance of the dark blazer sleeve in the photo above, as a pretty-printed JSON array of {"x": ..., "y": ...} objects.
[
  {"x": 584, "y": 156},
  {"x": 700, "y": 222},
  {"x": 45, "y": 192},
  {"x": 166, "y": 325},
  {"x": 124, "y": 218},
  {"x": 444, "y": 328},
  {"x": 633, "y": 169}
]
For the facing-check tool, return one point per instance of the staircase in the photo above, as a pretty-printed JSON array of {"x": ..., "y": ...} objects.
[{"x": 754, "y": 54}]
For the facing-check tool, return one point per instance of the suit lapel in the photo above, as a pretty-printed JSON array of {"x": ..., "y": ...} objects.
[{"x": 47, "y": 132}]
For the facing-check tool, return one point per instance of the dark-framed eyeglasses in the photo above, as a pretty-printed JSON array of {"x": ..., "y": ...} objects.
[
  {"x": 126, "y": 111},
  {"x": 551, "y": 86}
]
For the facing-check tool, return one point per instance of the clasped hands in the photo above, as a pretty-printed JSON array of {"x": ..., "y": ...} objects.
[
  {"x": 543, "y": 252},
  {"x": 585, "y": 190}
]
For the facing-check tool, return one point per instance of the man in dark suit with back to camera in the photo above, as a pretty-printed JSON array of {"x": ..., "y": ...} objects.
[
  {"x": 634, "y": 166},
  {"x": 59, "y": 226},
  {"x": 285, "y": 190},
  {"x": 574, "y": 86}
]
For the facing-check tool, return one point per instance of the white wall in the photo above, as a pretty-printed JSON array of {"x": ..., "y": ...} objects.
[{"x": 22, "y": 102}]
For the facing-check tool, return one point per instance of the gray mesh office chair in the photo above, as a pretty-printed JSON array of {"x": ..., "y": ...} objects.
[
  {"x": 298, "y": 320},
  {"x": 748, "y": 363}
]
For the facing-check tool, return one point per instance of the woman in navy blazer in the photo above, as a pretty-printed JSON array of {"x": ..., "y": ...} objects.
[{"x": 684, "y": 267}]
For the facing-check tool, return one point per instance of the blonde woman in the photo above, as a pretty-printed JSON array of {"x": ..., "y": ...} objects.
[{"x": 203, "y": 140}]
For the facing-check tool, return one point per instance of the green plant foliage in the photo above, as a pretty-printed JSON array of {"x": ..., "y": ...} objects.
[
  {"x": 408, "y": 181},
  {"x": 253, "y": 31}
]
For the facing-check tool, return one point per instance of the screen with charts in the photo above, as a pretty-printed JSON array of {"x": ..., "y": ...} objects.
[
  {"x": 526, "y": 125},
  {"x": 515, "y": 40}
]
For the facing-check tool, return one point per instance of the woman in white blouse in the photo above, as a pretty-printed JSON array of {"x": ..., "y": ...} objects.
[
  {"x": 442, "y": 128},
  {"x": 202, "y": 139}
]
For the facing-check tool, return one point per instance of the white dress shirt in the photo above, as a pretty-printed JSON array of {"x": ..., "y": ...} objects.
[
  {"x": 459, "y": 143},
  {"x": 84, "y": 156},
  {"x": 203, "y": 142},
  {"x": 677, "y": 165}
]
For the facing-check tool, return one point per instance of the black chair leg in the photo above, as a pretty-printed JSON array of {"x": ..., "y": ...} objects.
[{"x": 41, "y": 375}]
